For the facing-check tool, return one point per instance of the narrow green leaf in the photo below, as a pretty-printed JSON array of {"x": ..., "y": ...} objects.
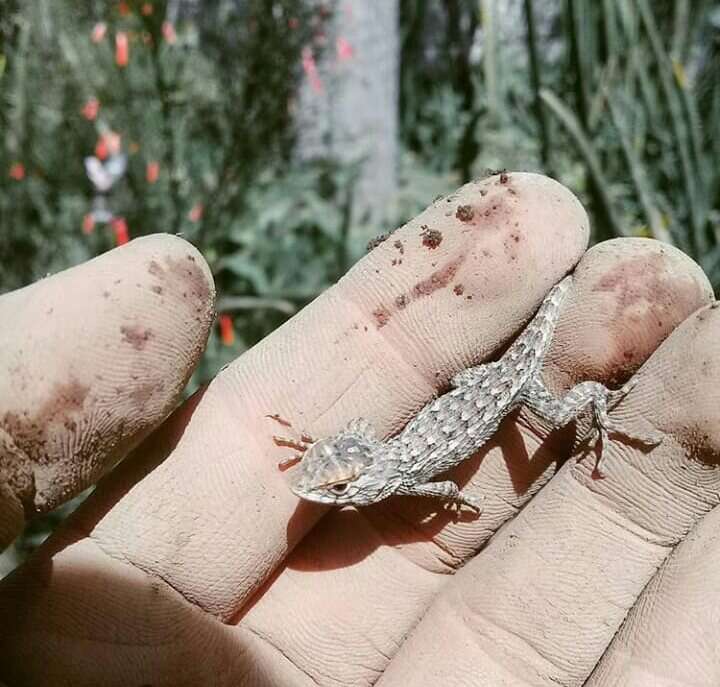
[
  {"x": 587, "y": 151},
  {"x": 639, "y": 177},
  {"x": 692, "y": 180}
]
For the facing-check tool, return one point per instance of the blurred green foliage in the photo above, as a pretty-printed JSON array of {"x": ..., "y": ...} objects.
[
  {"x": 208, "y": 101},
  {"x": 619, "y": 100}
]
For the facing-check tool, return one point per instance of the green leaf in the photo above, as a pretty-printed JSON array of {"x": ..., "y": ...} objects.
[{"x": 240, "y": 266}]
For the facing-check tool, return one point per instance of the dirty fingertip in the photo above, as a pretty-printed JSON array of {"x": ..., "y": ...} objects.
[
  {"x": 630, "y": 294},
  {"x": 96, "y": 357}
]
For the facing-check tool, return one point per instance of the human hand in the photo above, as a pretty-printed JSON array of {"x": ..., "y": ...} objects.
[{"x": 193, "y": 563}]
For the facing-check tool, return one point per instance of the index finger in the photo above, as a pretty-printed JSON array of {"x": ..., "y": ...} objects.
[
  {"x": 215, "y": 516},
  {"x": 91, "y": 360}
]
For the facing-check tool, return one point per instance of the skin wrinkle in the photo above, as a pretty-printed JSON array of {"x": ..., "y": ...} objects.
[
  {"x": 393, "y": 552},
  {"x": 387, "y": 657},
  {"x": 485, "y": 640},
  {"x": 152, "y": 575},
  {"x": 679, "y": 607},
  {"x": 632, "y": 466},
  {"x": 673, "y": 498},
  {"x": 261, "y": 637},
  {"x": 341, "y": 393},
  {"x": 602, "y": 504},
  {"x": 512, "y": 506}
]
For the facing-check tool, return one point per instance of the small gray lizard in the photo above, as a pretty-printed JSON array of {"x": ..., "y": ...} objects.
[{"x": 356, "y": 467}]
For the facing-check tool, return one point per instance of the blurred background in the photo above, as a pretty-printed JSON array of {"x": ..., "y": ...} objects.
[{"x": 279, "y": 136}]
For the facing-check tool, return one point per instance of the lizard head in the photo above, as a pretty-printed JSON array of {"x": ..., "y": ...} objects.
[{"x": 343, "y": 469}]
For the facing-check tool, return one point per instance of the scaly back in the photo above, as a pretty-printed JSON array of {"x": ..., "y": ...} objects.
[
  {"x": 527, "y": 352},
  {"x": 451, "y": 427}
]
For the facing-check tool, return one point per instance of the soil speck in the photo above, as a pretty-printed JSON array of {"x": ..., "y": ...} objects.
[
  {"x": 136, "y": 336},
  {"x": 382, "y": 316},
  {"x": 374, "y": 243},
  {"x": 438, "y": 279},
  {"x": 465, "y": 213},
  {"x": 431, "y": 238}
]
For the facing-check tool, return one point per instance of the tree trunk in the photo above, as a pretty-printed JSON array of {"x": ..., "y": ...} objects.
[{"x": 348, "y": 101}]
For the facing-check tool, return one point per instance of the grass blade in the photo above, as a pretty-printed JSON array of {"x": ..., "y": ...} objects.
[
  {"x": 653, "y": 217},
  {"x": 573, "y": 127}
]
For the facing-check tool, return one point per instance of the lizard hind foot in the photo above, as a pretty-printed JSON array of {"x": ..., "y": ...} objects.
[{"x": 605, "y": 426}]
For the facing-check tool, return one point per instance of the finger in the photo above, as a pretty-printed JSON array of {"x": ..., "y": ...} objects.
[
  {"x": 359, "y": 583},
  {"x": 92, "y": 359},
  {"x": 541, "y": 603},
  {"x": 215, "y": 516},
  {"x": 669, "y": 636}
]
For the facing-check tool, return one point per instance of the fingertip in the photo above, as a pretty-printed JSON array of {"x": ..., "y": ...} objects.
[
  {"x": 629, "y": 295},
  {"x": 94, "y": 358},
  {"x": 454, "y": 282}
]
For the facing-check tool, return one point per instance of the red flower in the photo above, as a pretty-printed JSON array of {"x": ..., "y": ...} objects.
[
  {"x": 101, "y": 149},
  {"x": 17, "y": 171},
  {"x": 98, "y": 32},
  {"x": 124, "y": 9},
  {"x": 152, "y": 171},
  {"x": 88, "y": 224},
  {"x": 344, "y": 49},
  {"x": 147, "y": 9},
  {"x": 168, "y": 32},
  {"x": 227, "y": 331},
  {"x": 122, "y": 49},
  {"x": 311, "y": 71},
  {"x": 90, "y": 109},
  {"x": 120, "y": 228},
  {"x": 293, "y": 23},
  {"x": 196, "y": 212},
  {"x": 108, "y": 144}
]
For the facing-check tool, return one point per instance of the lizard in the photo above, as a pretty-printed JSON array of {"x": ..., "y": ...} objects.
[{"x": 356, "y": 467}]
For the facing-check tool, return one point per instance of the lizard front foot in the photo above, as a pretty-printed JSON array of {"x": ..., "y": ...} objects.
[{"x": 456, "y": 504}]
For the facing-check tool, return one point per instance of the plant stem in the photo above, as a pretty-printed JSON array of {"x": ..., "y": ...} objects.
[
  {"x": 540, "y": 113},
  {"x": 490, "y": 54},
  {"x": 164, "y": 93}
]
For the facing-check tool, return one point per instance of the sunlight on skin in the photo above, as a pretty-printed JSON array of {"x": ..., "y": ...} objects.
[{"x": 194, "y": 562}]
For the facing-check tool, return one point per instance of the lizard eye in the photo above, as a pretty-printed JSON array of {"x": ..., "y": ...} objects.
[{"x": 339, "y": 489}]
